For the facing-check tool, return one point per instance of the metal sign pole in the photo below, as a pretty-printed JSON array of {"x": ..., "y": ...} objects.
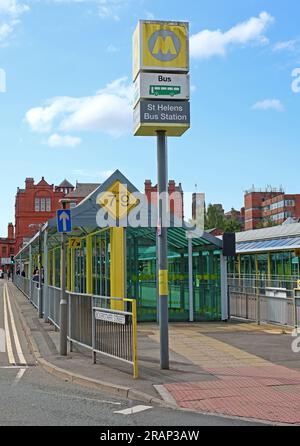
[
  {"x": 63, "y": 298},
  {"x": 163, "y": 249}
]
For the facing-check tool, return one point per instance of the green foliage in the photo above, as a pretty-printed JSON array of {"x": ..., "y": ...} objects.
[{"x": 215, "y": 218}]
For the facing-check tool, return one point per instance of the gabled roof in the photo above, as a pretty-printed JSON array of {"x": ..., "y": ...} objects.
[
  {"x": 66, "y": 184},
  {"x": 83, "y": 190},
  {"x": 43, "y": 182}
]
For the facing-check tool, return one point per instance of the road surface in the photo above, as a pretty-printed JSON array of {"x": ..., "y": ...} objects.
[{"x": 32, "y": 397}]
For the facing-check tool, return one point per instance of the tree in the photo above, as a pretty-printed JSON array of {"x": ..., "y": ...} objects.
[{"x": 214, "y": 217}]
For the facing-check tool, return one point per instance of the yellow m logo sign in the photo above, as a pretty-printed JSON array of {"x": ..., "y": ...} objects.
[{"x": 164, "y": 45}]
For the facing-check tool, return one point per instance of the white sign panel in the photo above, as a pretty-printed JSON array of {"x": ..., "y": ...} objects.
[
  {"x": 110, "y": 317},
  {"x": 6, "y": 261},
  {"x": 162, "y": 86}
]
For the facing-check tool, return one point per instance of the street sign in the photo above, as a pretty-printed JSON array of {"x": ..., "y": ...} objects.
[
  {"x": 64, "y": 221},
  {"x": 117, "y": 200},
  {"x": 110, "y": 317},
  {"x": 5, "y": 261},
  {"x": 75, "y": 243},
  {"x": 170, "y": 116},
  {"x": 162, "y": 86},
  {"x": 160, "y": 46}
]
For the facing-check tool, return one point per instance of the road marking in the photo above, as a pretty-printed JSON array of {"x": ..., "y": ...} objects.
[
  {"x": 13, "y": 367},
  {"x": 10, "y": 354},
  {"x": 19, "y": 375},
  {"x": 133, "y": 410},
  {"x": 22, "y": 359}
]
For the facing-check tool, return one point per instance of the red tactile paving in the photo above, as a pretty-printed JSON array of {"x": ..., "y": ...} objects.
[{"x": 269, "y": 393}]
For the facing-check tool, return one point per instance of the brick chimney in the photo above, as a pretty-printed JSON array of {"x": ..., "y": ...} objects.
[
  {"x": 10, "y": 231},
  {"x": 29, "y": 183}
]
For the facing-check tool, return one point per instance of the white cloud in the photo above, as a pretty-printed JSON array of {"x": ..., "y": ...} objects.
[
  {"x": 208, "y": 43},
  {"x": 269, "y": 104},
  {"x": 56, "y": 140},
  {"x": 10, "y": 13},
  {"x": 288, "y": 45},
  {"x": 109, "y": 111}
]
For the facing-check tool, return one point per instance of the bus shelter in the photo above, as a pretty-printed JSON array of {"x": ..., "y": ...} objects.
[{"x": 121, "y": 261}]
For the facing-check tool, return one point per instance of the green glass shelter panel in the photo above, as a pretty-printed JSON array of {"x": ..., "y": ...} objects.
[
  {"x": 101, "y": 263},
  {"x": 142, "y": 275},
  {"x": 80, "y": 268},
  {"x": 207, "y": 285}
]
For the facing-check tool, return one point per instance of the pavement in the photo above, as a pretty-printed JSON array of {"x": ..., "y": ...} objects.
[{"x": 236, "y": 370}]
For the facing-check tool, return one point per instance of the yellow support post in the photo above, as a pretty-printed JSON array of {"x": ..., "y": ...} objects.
[
  {"x": 49, "y": 269},
  {"x": 72, "y": 270},
  {"x": 117, "y": 267},
  {"x": 89, "y": 265},
  {"x": 53, "y": 268},
  {"x": 269, "y": 269},
  {"x": 68, "y": 269}
]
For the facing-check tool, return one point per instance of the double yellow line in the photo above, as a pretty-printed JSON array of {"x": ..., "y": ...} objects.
[{"x": 9, "y": 318}]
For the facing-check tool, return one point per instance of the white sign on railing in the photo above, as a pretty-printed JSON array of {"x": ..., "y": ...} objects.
[{"x": 110, "y": 317}]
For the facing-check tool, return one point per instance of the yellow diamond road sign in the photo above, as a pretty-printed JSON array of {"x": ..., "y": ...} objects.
[{"x": 117, "y": 200}]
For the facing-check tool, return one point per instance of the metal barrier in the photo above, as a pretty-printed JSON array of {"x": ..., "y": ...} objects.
[
  {"x": 262, "y": 280},
  {"x": 272, "y": 305},
  {"x": 80, "y": 319},
  {"x": 115, "y": 332},
  {"x": 23, "y": 284},
  {"x": 54, "y": 305},
  {"x": 91, "y": 321},
  {"x": 35, "y": 294}
]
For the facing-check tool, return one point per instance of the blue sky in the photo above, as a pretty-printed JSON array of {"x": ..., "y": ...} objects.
[{"x": 67, "y": 109}]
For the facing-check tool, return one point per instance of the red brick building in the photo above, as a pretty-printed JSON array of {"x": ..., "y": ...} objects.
[
  {"x": 35, "y": 205},
  {"x": 7, "y": 247},
  {"x": 176, "y": 197},
  {"x": 267, "y": 207}
]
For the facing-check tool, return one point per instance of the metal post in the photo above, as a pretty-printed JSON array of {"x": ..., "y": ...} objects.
[
  {"x": 46, "y": 278},
  {"x": 30, "y": 271},
  {"x": 295, "y": 310},
  {"x": 191, "y": 281},
  {"x": 40, "y": 295},
  {"x": 63, "y": 297},
  {"x": 224, "y": 289},
  {"x": 162, "y": 169}
]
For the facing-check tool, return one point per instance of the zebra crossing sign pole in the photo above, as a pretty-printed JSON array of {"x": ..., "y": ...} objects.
[{"x": 161, "y": 109}]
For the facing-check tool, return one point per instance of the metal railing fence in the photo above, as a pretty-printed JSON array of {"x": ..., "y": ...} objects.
[
  {"x": 92, "y": 321},
  {"x": 269, "y": 304},
  {"x": 53, "y": 305}
]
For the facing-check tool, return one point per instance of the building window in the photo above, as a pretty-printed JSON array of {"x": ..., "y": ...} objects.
[
  {"x": 290, "y": 202},
  {"x": 48, "y": 204},
  {"x": 43, "y": 204}
]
